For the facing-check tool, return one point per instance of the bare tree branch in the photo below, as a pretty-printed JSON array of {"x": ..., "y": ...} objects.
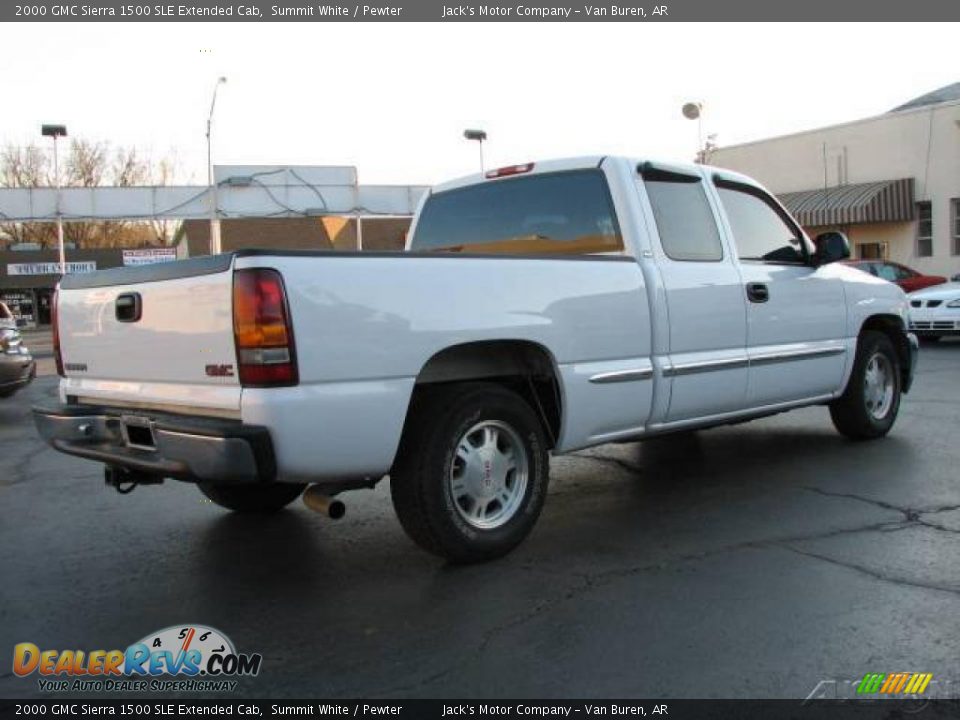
[{"x": 87, "y": 164}]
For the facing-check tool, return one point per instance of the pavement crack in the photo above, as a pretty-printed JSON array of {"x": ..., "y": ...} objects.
[
  {"x": 18, "y": 470},
  {"x": 861, "y": 498},
  {"x": 938, "y": 526},
  {"x": 485, "y": 639},
  {"x": 940, "y": 509},
  {"x": 877, "y": 575},
  {"x": 589, "y": 582},
  {"x": 911, "y": 515}
]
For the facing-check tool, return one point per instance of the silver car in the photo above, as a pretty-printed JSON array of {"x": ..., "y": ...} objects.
[{"x": 17, "y": 366}]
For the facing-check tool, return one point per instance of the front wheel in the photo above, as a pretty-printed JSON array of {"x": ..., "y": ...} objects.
[
  {"x": 266, "y": 498},
  {"x": 471, "y": 475},
  {"x": 868, "y": 407}
]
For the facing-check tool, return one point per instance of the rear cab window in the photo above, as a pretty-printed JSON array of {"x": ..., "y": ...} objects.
[
  {"x": 561, "y": 213},
  {"x": 685, "y": 222}
]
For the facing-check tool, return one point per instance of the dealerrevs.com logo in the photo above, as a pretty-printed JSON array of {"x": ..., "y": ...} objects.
[{"x": 178, "y": 658}]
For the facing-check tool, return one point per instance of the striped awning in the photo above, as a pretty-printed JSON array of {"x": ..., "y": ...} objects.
[{"x": 876, "y": 202}]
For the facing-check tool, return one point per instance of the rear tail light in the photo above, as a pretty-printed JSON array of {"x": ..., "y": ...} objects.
[
  {"x": 55, "y": 322},
  {"x": 509, "y": 170},
  {"x": 266, "y": 356}
]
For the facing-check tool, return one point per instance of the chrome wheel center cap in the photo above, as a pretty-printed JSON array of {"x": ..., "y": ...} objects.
[{"x": 488, "y": 475}]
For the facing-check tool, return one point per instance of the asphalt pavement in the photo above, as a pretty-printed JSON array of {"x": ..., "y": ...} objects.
[{"x": 756, "y": 560}]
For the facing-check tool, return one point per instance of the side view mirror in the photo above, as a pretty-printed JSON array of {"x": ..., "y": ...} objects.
[{"x": 831, "y": 247}]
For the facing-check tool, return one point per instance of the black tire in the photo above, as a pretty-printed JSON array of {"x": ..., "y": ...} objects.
[
  {"x": 856, "y": 414},
  {"x": 929, "y": 339},
  {"x": 422, "y": 479},
  {"x": 252, "y": 498}
]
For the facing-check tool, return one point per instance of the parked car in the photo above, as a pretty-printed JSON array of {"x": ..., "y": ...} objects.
[
  {"x": 17, "y": 366},
  {"x": 907, "y": 278},
  {"x": 935, "y": 312},
  {"x": 7, "y": 320},
  {"x": 538, "y": 308}
]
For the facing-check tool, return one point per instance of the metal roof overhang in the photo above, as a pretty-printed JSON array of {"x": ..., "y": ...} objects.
[{"x": 876, "y": 202}]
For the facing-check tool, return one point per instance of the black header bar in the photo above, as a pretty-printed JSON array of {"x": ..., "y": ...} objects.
[{"x": 503, "y": 11}]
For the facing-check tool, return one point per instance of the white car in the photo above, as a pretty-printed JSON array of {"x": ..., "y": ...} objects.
[
  {"x": 935, "y": 311},
  {"x": 538, "y": 308}
]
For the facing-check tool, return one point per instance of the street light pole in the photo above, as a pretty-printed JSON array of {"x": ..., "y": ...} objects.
[
  {"x": 694, "y": 111},
  {"x": 479, "y": 136},
  {"x": 56, "y": 131},
  {"x": 214, "y": 218}
]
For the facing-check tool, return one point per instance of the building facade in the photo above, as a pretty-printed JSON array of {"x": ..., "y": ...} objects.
[
  {"x": 891, "y": 182},
  {"x": 29, "y": 277},
  {"x": 333, "y": 232}
]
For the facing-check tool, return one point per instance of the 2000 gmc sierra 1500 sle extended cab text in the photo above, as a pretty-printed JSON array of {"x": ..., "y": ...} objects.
[{"x": 537, "y": 308}]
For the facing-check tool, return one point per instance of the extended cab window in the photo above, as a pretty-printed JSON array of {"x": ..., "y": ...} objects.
[
  {"x": 557, "y": 213},
  {"x": 760, "y": 230},
  {"x": 685, "y": 222}
]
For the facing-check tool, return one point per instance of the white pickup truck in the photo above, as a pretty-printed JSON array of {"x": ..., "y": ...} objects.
[{"x": 537, "y": 309}]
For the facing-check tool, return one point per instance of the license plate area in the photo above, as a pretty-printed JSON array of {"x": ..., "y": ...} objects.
[{"x": 138, "y": 432}]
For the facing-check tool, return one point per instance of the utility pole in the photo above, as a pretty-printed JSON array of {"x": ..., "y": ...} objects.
[
  {"x": 56, "y": 131},
  {"x": 214, "y": 217}
]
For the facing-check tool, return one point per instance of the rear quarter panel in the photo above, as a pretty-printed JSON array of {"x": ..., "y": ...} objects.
[{"x": 366, "y": 325}]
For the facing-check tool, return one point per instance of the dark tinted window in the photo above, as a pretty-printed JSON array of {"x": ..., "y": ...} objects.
[
  {"x": 888, "y": 272},
  {"x": 684, "y": 220},
  {"x": 904, "y": 272},
  {"x": 759, "y": 230},
  {"x": 563, "y": 213}
]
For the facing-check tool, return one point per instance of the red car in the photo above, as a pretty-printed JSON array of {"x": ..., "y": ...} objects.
[{"x": 903, "y": 276}]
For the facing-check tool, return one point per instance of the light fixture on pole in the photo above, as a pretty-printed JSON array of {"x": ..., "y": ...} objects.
[
  {"x": 694, "y": 111},
  {"x": 479, "y": 136},
  {"x": 214, "y": 218},
  {"x": 57, "y": 131}
]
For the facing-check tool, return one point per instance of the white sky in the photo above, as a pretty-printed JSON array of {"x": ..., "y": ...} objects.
[{"x": 393, "y": 99}]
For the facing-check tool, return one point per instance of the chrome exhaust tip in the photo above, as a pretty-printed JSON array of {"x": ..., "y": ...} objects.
[{"x": 314, "y": 499}]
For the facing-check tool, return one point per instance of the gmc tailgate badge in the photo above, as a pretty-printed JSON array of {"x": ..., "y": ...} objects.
[{"x": 220, "y": 370}]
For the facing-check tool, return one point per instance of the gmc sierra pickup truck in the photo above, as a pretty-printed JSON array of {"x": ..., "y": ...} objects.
[{"x": 537, "y": 309}]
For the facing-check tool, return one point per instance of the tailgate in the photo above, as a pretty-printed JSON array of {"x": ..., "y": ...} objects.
[{"x": 154, "y": 337}]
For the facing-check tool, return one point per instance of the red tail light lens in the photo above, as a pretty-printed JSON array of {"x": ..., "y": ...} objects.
[
  {"x": 55, "y": 322},
  {"x": 266, "y": 356}
]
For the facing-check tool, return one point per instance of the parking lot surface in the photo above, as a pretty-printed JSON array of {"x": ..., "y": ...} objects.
[{"x": 748, "y": 561}]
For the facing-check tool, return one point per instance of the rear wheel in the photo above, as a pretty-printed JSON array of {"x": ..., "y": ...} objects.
[
  {"x": 868, "y": 407},
  {"x": 252, "y": 498},
  {"x": 471, "y": 475}
]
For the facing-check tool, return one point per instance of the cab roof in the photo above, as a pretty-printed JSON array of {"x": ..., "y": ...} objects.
[{"x": 583, "y": 163}]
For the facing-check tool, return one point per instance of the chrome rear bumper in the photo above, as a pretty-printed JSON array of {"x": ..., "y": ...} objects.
[{"x": 161, "y": 445}]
